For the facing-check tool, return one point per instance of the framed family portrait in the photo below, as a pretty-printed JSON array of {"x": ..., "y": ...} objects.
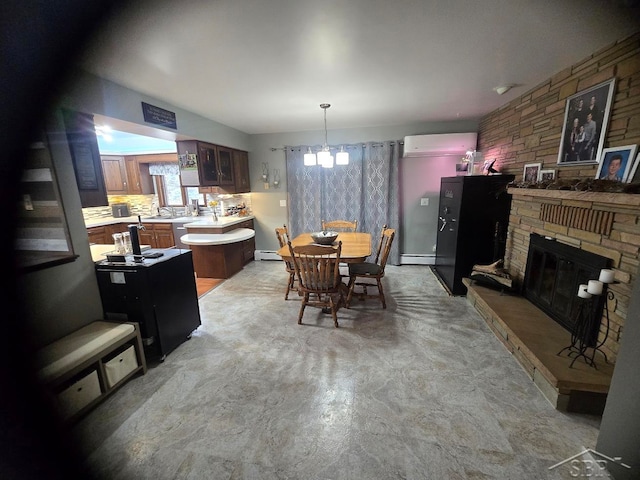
[
  {"x": 617, "y": 163},
  {"x": 531, "y": 172},
  {"x": 547, "y": 175},
  {"x": 586, "y": 117}
]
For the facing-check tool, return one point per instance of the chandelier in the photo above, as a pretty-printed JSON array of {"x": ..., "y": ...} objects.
[{"x": 324, "y": 156}]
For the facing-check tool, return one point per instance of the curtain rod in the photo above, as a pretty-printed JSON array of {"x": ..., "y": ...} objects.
[{"x": 364, "y": 145}]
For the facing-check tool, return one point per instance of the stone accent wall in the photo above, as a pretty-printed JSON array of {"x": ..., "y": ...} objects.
[
  {"x": 607, "y": 224},
  {"x": 529, "y": 128}
]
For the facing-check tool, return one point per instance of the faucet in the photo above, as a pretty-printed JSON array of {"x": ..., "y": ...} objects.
[{"x": 171, "y": 211}]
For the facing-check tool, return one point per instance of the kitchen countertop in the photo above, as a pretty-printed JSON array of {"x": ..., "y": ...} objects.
[
  {"x": 199, "y": 221},
  {"x": 206, "y": 221},
  {"x": 204, "y": 239}
]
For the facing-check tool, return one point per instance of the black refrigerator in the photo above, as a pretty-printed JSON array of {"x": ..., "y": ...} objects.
[
  {"x": 159, "y": 293},
  {"x": 473, "y": 218}
]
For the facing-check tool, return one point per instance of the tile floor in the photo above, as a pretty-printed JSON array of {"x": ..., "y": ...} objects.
[{"x": 422, "y": 390}]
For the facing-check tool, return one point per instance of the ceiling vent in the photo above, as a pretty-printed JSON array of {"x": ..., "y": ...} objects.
[{"x": 439, "y": 144}]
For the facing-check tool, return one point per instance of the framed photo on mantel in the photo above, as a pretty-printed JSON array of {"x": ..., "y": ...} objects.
[
  {"x": 531, "y": 173},
  {"x": 586, "y": 118},
  {"x": 616, "y": 163}
]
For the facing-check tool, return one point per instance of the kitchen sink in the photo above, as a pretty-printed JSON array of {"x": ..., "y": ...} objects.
[{"x": 165, "y": 217}]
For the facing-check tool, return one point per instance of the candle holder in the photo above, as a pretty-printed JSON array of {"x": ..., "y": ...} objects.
[{"x": 585, "y": 320}]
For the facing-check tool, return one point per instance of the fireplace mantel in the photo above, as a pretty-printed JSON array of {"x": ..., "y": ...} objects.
[{"x": 610, "y": 198}]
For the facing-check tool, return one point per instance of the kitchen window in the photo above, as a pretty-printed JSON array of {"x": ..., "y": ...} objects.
[{"x": 168, "y": 188}]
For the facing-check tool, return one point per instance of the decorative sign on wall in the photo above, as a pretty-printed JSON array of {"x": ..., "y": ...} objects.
[{"x": 159, "y": 116}]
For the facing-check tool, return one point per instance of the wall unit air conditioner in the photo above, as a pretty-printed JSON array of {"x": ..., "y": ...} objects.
[{"x": 439, "y": 144}]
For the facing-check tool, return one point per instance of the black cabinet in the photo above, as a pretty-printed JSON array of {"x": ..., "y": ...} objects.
[
  {"x": 158, "y": 293},
  {"x": 472, "y": 227}
]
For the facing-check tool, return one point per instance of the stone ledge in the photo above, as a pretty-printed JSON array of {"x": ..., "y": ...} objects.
[
  {"x": 534, "y": 339},
  {"x": 615, "y": 199}
]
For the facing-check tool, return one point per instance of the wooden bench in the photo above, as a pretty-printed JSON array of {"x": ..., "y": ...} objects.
[{"x": 83, "y": 368}]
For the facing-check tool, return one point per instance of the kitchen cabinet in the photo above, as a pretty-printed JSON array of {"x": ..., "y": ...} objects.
[
  {"x": 248, "y": 250},
  {"x": 139, "y": 181},
  {"x": 115, "y": 174},
  {"x": 224, "y": 260},
  {"x": 124, "y": 175},
  {"x": 158, "y": 235},
  {"x": 215, "y": 165},
  {"x": 98, "y": 235},
  {"x": 248, "y": 246},
  {"x": 213, "y": 168},
  {"x": 241, "y": 171},
  {"x": 103, "y": 235}
]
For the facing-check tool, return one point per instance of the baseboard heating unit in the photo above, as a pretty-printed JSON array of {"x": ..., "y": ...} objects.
[{"x": 266, "y": 255}]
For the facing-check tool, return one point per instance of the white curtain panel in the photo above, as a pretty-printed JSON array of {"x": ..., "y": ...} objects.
[{"x": 366, "y": 190}]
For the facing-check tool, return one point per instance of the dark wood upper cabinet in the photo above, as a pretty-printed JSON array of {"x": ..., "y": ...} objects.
[
  {"x": 214, "y": 168},
  {"x": 241, "y": 171},
  {"x": 225, "y": 166},
  {"x": 208, "y": 170}
]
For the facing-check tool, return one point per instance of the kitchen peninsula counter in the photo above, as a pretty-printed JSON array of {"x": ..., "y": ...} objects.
[
  {"x": 222, "y": 247},
  {"x": 234, "y": 236}
]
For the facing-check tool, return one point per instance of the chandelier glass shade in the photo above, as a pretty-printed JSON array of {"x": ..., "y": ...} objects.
[
  {"x": 309, "y": 158},
  {"x": 342, "y": 157}
]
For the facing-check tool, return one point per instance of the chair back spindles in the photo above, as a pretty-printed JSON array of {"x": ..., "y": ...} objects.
[
  {"x": 316, "y": 268},
  {"x": 340, "y": 226},
  {"x": 282, "y": 233},
  {"x": 385, "y": 246},
  {"x": 361, "y": 274}
]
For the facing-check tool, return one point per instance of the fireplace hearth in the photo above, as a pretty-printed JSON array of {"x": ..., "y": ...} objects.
[{"x": 553, "y": 274}]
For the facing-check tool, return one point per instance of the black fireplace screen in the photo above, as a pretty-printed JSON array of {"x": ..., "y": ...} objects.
[{"x": 554, "y": 272}]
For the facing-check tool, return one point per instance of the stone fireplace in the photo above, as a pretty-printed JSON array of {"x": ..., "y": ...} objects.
[
  {"x": 605, "y": 224},
  {"x": 602, "y": 230}
]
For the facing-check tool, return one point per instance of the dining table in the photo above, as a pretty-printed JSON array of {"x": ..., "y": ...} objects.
[{"x": 356, "y": 246}]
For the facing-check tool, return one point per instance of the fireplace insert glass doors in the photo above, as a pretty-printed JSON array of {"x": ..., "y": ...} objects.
[{"x": 554, "y": 272}]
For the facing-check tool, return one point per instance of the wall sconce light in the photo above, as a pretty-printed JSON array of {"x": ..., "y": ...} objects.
[
  {"x": 265, "y": 172},
  {"x": 276, "y": 177}
]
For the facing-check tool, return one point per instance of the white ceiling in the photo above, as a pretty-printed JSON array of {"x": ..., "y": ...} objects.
[{"x": 264, "y": 66}]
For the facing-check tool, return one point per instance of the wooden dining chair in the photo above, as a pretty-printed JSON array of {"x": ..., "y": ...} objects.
[
  {"x": 319, "y": 281},
  {"x": 283, "y": 239},
  {"x": 340, "y": 226},
  {"x": 362, "y": 274}
]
